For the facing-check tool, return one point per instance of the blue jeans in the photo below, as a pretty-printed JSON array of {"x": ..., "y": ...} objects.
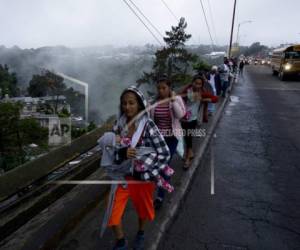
[
  {"x": 224, "y": 85},
  {"x": 172, "y": 144}
]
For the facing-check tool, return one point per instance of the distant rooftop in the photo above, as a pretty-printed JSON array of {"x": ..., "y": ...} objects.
[{"x": 29, "y": 99}]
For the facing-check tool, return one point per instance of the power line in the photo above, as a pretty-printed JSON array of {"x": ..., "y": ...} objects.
[
  {"x": 212, "y": 42},
  {"x": 172, "y": 13},
  {"x": 175, "y": 17},
  {"x": 213, "y": 23},
  {"x": 146, "y": 26},
  {"x": 152, "y": 25}
]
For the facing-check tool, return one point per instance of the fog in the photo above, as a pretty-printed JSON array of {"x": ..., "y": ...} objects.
[
  {"x": 107, "y": 71},
  {"x": 82, "y": 23},
  {"x": 102, "y": 42}
]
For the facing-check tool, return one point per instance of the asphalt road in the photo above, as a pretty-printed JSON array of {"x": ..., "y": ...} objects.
[{"x": 255, "y": 158}]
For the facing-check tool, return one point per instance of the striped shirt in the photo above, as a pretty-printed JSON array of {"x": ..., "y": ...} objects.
[{"x": 162, "y": 118}]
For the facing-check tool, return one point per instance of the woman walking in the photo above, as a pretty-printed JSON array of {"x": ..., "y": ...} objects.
[
  {"x": 193, "y": 94},
  {"x": 166, "y": 111},
  {"x": 143, "y": 156}
]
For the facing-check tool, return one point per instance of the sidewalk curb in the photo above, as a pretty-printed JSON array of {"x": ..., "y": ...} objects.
[{"x": 186, "y": 181}]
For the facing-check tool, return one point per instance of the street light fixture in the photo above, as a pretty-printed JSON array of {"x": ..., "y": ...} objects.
[{"x": 238, "y": 31}]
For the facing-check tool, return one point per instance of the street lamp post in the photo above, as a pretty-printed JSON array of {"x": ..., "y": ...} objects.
[{"x": 238, "y": 31}]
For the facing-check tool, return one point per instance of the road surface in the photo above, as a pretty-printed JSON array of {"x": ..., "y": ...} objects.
[{"x": 255, "y": 159}]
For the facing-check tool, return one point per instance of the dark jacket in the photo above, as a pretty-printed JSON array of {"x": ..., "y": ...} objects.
[{"x": 217, "y": 82}]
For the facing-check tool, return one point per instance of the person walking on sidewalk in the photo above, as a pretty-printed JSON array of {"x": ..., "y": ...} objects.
[
  {"x": 215, "y": 82},
  {"x": 241, "y": 68},
  {"x": 135, "y": 132},
  {"x": 166, "y": 111},
  {"x": 224, "y": 71},
  {"x": 193, "y": 94}
]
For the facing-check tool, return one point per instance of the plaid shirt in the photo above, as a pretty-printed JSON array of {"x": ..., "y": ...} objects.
[{"x": 154, "y": 163}]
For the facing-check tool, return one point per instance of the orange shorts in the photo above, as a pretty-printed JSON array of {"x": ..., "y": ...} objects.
[{"x": 141, "y": 195}]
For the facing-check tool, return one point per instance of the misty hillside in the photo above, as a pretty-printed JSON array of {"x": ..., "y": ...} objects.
[{"x": 107, "y": 70}]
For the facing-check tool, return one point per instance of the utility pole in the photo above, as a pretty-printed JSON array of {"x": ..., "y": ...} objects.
[{"x": 232, "y": 27}]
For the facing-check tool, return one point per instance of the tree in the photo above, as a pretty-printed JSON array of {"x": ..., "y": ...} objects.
[
  {"x": 91, "y": 126},
  {"x": 38, "y": 86},
  {"x": 64, "y": 113},
  {"x": 15, "y": 133},
  {"x": 177, "y": 37},
  {"x": 48, "y": 83},
  {"x": 255, "y": 49},
  {"x": 172, "y": 60},
  {"x": 8, "y": 82},
  {"x": 76, "y": 101},
  {"x": 77, "y": 132},
  {"x": 32, "y": 132},
  {"x": 201, "y": 66}
]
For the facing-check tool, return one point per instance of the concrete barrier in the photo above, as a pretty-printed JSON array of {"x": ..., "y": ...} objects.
[{"x": 22, "y": 176}]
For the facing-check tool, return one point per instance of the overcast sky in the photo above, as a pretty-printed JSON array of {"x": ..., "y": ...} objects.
[{"x": 78, "y": 23}]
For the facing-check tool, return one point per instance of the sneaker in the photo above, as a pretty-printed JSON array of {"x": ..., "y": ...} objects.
[{"x": 139, "y": 242}]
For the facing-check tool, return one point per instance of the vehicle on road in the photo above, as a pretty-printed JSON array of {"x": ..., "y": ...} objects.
[{"x": 286, "y": 61}]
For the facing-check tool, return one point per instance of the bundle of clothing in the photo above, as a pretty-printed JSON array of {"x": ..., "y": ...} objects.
[{"x": 117, "y": 169}]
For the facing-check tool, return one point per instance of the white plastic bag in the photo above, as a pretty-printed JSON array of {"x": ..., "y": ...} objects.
[{"x": 180, "y": 147}]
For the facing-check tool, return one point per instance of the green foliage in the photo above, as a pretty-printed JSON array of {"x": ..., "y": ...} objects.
[
  {"x": 16, "y": 133},
  {"x": 45, "y": 84},
  {"x": 38, "y": 86},
  {"x": 256, "y": 49},
  {"x": 64, "y": 113},
  {"x": 76, "y": 101},
  {"x": 9, "y": 122},
  {"x": 32, "y": 132},
  {"x": 177, "y": 36},
  {"x": 49, "y": 83},
  {"x": 77, "y": 132},
  {"x": 91, "y": 126},
  {"x": 173, "y": 60},
  {"x": 8, "y": 82},
  {"x": 201, "y": 65}
]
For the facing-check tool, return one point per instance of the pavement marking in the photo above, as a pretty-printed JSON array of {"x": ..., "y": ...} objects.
[
  {"x": 234, "y": 99},
  {"x": 212, "y": 170}
]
